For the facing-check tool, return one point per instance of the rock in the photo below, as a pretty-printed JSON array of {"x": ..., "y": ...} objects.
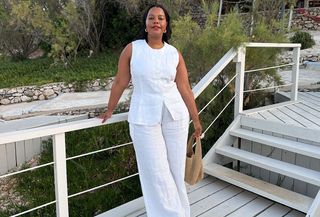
[
  {"x": 96, "y": 84},
  {"x": 16, "y": 100},
  {"x": 26, "y": 99},
  {"x": 4, "y": 101},
  {"x": 42, "y": 97},
  {"x": 29, "y": 93},
  {"x": 48, "y": 93},
  {"x": 16, "y": 94},
  {"x": 12, "y": 91}
]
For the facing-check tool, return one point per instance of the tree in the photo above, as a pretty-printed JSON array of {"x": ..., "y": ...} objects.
[{"x": 16, "y": 39}]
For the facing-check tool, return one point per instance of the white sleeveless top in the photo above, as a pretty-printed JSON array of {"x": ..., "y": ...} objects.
[{"x": 153, "y": 73}]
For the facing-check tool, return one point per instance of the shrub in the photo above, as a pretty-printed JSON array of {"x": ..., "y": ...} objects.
[{"x": 304, "y": 38}]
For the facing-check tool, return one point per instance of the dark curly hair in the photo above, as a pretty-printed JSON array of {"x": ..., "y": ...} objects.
[{"x": 144, "y": 35}]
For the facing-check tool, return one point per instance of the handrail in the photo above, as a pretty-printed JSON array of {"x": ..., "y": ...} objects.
[
  {"x": 272, "y": 45},
  {"x": 9, "y": 137},
  {"x": 214, "y": 72}
]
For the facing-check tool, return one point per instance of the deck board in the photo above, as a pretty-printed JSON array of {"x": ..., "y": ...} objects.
[
  {"x": 214, "y": 197},
  {"x": 304, "y": 113}
]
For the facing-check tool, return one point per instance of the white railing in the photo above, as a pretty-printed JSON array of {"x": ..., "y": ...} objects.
[{"x": 58, "y": 131}]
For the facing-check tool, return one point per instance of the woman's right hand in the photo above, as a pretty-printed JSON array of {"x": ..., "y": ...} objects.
[
  {"x": 197, "y": 129},
  {"x": 105, "y": 116}
]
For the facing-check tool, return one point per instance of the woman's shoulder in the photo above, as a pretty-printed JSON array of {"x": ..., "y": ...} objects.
[
  {"x": 172, "y": 48},
  {"x": 138, "y": 42}
]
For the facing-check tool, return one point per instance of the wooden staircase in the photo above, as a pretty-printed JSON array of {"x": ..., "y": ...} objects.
[{"x": 228, "y": 150}]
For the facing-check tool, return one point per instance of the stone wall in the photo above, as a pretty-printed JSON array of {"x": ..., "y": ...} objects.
[
  {"x": 303, "y": 22},
  {"x": 50, "y": 91}
]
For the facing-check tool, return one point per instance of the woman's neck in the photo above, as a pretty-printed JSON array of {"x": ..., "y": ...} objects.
[{"x": 155, "y": 43}]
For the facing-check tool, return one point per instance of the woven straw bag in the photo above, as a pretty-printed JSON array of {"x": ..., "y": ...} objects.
[{"x": 194, "y": 166}]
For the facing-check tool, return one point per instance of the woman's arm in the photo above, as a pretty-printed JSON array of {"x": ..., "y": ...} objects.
[
  {"x": 187, "y": 95},
  {"x": 120, "y": 82}
]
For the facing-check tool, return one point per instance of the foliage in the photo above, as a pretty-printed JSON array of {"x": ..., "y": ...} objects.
[
  {"x": 15, "y": 39},
  {"x": 304, "y": 38},
  {"x": 202, "y": 48},
  {"x": 41, "y": 71},
  {"x": 37, "y": 187}
]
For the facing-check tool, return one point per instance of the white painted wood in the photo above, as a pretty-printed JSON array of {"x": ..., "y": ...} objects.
[
  {"x": 306, "y": 108},
  {"x": 3, "y": 159},
  {"x": 288, "y": 157},
  {"x": 240, "y": 67},
  {"x": 289, "y": 145},
  {"x": 250, "y": 112},
  {"x": 311, "y": 105},
  {"x": 211, "y": 155},
  {"x": 284, "y": 168},
  {"x": 205, "y": 181},
  {"x": 285, "y": 117},
  {"x": 315, "y": 207},
  {"x": 36, "y": 145},
  {"x": 279, "y": 45},
  {"x": 276, "y": 210},
  {"x": 28, "y": 149},
  {"x": 59, "y": 128},
  {"x": 60, "y": 175},
  {"x": 11, "y": 155},
  {"x": 206, "y": 191},
  {"x": 273, "y": 192},
  {"x": 256, "y": 148},
  {"x": 312, "y": 189},
  {"x": 300, "y": 186},
  {"x": 295, "y": 213},
  {"x": 213, "y": 73},
  {"x": 20, "y": 152},
  {"x": 126, "y": 209},
  {"x": 306, "y": 115},
  {"x": 214, "y": 200},
  {"x": 284, "y": 129},
  {"x": 295, "y": 73},
  {"x": 230, "y": 205},
  {"x": 299, "y": 118},
  {"x": 315, "y": 94},
  {"x": 313, "y": 98},
  {"x": 267, "y": 115},
  {"x": 253, "y": 208},
  {"x": 255, "y": 115}
]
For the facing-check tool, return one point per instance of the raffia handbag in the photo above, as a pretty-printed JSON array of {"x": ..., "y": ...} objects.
[{"x": 194, "y": 166}]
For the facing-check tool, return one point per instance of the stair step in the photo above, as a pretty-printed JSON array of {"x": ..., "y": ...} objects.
[
  {"x": 281, "y": 128},
  {"x": 284, "y": 168},
  {"x": 270, "y": 191},
  {"x": 277, "y": 142}
]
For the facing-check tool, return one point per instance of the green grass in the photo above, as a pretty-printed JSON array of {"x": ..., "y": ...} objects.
[
  {"x": 37, "y": 187},
  {"x": 43, "y": 70}
]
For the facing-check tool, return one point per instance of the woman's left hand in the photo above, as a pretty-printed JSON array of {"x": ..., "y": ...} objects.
[{"x": 197, "y": 129}]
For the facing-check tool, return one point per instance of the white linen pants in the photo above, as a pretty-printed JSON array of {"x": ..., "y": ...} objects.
[{"x": 161, "y": 156}]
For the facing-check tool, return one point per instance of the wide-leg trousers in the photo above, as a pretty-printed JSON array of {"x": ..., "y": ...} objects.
[{"x": 161, "y": 155}]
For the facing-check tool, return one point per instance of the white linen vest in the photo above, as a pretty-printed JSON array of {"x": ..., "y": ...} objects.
[{"x": 153, "y": 73}]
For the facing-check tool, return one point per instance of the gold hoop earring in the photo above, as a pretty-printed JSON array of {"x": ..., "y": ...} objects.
[{"x": 145, "y": 30}]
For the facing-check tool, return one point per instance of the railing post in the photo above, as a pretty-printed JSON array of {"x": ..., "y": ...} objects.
[
  {"x": 240, "y": 66},
  {"x": 295, "y": 73},
  {"x": 315, "y": 207},
  {"x": 60, "y": 175}
]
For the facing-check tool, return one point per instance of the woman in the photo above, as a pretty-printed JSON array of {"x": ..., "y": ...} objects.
[{"x": 159, "y": 114}]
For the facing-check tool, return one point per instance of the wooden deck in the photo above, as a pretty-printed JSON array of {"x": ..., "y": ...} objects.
[
  {"x": 213, "y": 197},
  {"x": 304, "y": 113}
]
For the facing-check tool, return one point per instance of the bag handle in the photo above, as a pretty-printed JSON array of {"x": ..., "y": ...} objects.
[{"x": 190, "y": 144}]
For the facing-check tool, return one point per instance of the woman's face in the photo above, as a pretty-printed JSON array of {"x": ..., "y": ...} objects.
[{"x": 156, "y": 23}]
